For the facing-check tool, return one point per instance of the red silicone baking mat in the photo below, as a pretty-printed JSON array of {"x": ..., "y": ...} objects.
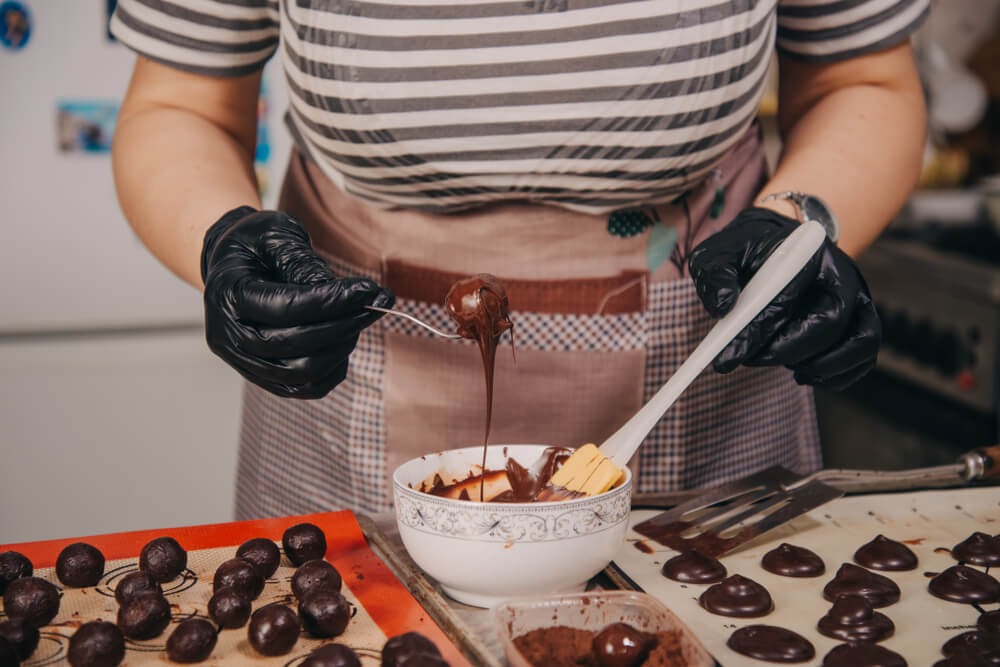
[{"x": 384, "y": 607}]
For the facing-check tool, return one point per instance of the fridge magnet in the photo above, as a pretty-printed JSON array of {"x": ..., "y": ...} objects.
[
  {"x": 85, "y": 126},
  {"x": 15, "y": 25}
]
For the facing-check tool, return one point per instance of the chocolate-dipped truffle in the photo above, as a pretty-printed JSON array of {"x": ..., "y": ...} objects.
[
  {"x": 879, "y": 590},
  {"x": 144, "y": 616},
  {"x": 163, "y": 559},
  {"x": 13, "y": 565},
  {"x": 302, "y": 542},
  {"x": 262, "y": 553},
  {"x": 480, "y": 307},
  {"x": 621, "y": 645},
  {"x": 273, "y": 629},
  {"x": 862, "y": 655},
  {"x": 96, "y": 644},
  {"x": 314, "y": 575},
  {"x": 963, "y": 584},
  {"x": 135, "y": 583},
  {"x": 885, "y": 554},
  {"x": 978, "y": 549},
  {"x": 989, "y": 622},
  {"x": 400, "y": 649},
  {"x": 192, "y": 640},
  {"x": 972, "y": 644},
  {"x": 229, "y": 608},
  {"x": 239, "y": 575},
  {"x": 852, "y": 619},
  {"x": 21, "y": 635},
  {"x": 80, "y": 564},
  {"x": 771, "y": 643},
  {"x": 691, "y": 567},
  {"x": 325, "y": 613},
  {"x": 32, "y": 599},
  {"x": 788, "y": 560},
  {"x": 332, "y": 655},
  {"x": 737, "y": 596}
]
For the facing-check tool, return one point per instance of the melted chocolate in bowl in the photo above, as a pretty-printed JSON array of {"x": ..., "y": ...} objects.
[{"x": 515, "y": 484}]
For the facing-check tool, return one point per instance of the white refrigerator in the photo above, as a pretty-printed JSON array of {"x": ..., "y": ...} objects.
[{"x": 114, "y": 415}]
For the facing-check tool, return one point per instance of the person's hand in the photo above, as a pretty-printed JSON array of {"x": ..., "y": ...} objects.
[
  {"x": 275, "y": 311},
  {"x": 823, "y": 325}
]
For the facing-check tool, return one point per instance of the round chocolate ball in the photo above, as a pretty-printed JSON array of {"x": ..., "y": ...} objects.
[
  {"x": 315, "y": 575},
  {"x": 96, "y": 644},
  {"x": 79, "y": 565},
  {"x": 163, "y": 559},
  {"x": 144, "y": 617},
  {"x": 239, "y": 575},
  {"x": 32, "y": 599},
  {"x": 401, "y": 649},
  {"x": 332, "y": 655},
  {"x": 302, "y": 542},
  {"x": 22, "y": 636},
  {"x": 13, "y": 565},
  {"x": 262, "y": 553},
  {"x": 192, "y": 640},
  {"x": 135, "y": 583},
  {"x": 273, "y": 629},
  {"x": 325, "y": 613},
  {"x": 229, "y": 608}
]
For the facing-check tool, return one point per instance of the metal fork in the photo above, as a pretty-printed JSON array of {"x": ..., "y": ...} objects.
[{"x": 400, "y": 313}]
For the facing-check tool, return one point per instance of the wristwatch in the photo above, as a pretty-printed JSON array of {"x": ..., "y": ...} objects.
[{"x": 812, "y": 208}]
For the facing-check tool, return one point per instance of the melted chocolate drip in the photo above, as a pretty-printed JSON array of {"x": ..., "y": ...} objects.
[
  {"x": 737, "y": 596},
  {"x": 961, "y": 583},
  {"x": 852, "y": 619},
  {"x": 862, "y": 655},
  {"x": 789, "y": 560},
  {"x": 978, "y": 549},
  {"x": 771, "y": 643},
  {"x": 885, "y": 554},
  {"x": 621, "y": 645},
  {"x": 850, "y": 579},
  {"x": 691, "y": 567}
]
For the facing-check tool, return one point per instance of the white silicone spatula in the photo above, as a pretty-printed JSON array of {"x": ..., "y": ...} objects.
[{"x": 592, "y": 470}]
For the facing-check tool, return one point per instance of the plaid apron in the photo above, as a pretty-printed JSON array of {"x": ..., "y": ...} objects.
[{"x": 604, "y": 312}]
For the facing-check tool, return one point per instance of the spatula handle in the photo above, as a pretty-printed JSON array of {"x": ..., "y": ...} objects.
[{"x": 777, "y": 271}]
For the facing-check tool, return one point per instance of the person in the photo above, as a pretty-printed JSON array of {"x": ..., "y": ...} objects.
[{"x": 603, "y": 159}]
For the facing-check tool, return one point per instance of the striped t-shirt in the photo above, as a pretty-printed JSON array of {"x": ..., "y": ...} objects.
[{"x": 440, "y": 105}]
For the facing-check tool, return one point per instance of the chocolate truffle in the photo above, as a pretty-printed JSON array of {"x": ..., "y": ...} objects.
[
  {"x": 325, "y": 613},
  {"x": 192, "y": 640},
  {"x": 239, "y": 575},
  {"x": 963, "y": 584},
  {"x": 302, "y": 542},
  {"x": 314, "y": 575},
  {"x": 737, "y": 596},
  {"x": 79, "y": 565},
  {"x": 852, "y": 619},
  {"x": 621, "y": 645},
  {"x": 273, "y": 629},
  {"x": 229, "y": 608},
  {"x": 972, "y": 643},
  {"x": 480, "y": 307},
  {"x": 691, "y": 567},
  {"x": 862, "y": 655},
  {"x": 96, "y": 644},
  {"x": 332, "y": 655},
  {"x": 978, "y": 549},
  {"x": 21, "y": 635},
  {"x": 262, "y": 553},
  {"x": 32, "y": 599},
  {"x": 851, "y": 579},
  {"x": 13, "y": 565},
  {"x": 163, "y": 559},
  {"x": 144, "y": 616},
  {"x": 135, "y": 583},
  {"x": 400, "y": 649},
  {"x": 989, "y": 622},
  {"x": 885, "y": 554},
  {"x": 788, "y": 560},
  {"x": 771, "y": 643}
]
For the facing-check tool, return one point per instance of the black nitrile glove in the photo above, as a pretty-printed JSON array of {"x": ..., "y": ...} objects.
[
  {"x": 274, "y": 311},
  {"x": 823, "y": 325}
]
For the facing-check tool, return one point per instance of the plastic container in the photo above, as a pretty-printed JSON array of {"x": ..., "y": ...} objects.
[{"x": 592, "y": 611}]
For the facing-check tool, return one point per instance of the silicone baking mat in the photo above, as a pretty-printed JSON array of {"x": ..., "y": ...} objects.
[
  {"x": 383, "y": 606},
  {"x": 929, "y": 522}
]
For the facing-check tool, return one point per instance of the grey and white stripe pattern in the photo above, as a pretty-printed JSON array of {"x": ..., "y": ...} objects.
[{"x": 440, "y": 105}]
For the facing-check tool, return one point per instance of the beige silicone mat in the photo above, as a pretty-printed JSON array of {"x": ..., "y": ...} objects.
[{"x": 929, "y": 522}]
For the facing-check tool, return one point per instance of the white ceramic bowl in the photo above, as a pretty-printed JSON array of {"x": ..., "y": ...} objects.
[{"x": 485, "y": 553}]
